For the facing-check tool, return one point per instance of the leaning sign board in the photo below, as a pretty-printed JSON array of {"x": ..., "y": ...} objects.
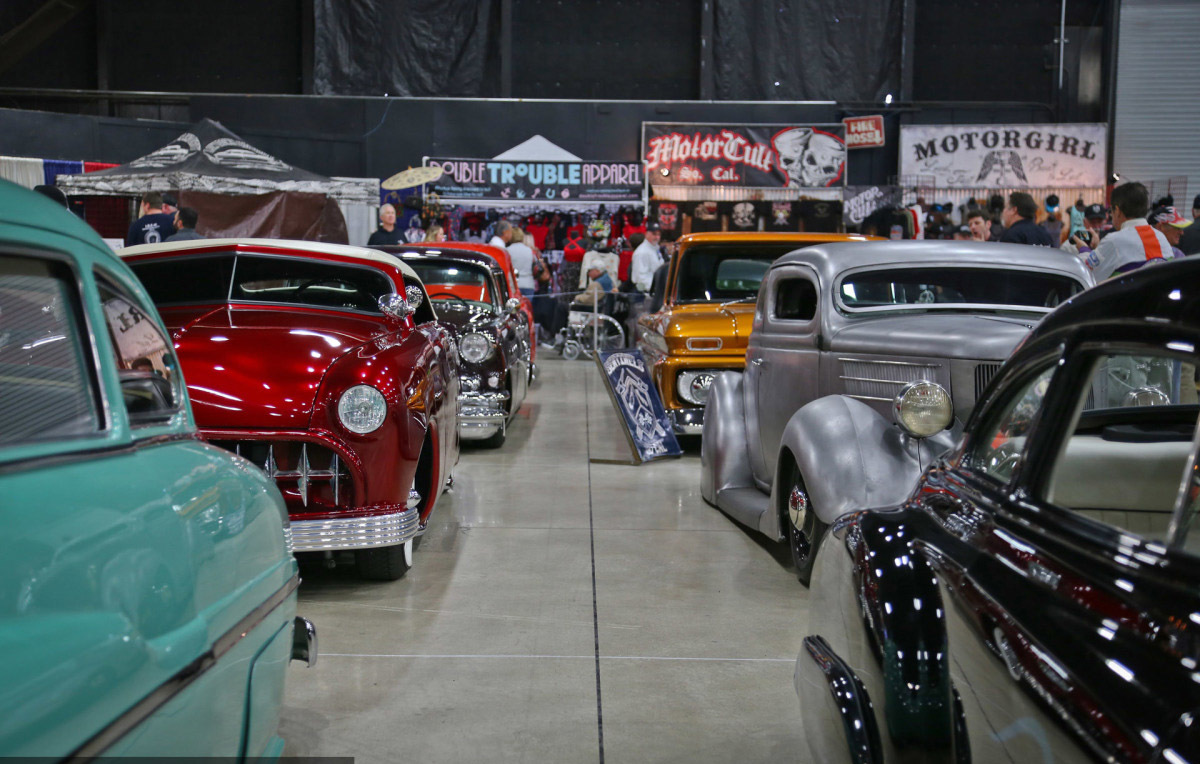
[
  {"x": 1005, "y": 156},
  {"x": 636, "y": 399}
]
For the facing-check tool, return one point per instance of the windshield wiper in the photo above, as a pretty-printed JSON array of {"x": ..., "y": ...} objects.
[{"x": 724, "y": 307}]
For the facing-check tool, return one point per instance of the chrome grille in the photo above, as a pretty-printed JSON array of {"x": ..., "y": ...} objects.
[
  {"x": 315, "y": 472},
  {"x": 983, "y": 374},
  {"x": 881, "y": 380}
]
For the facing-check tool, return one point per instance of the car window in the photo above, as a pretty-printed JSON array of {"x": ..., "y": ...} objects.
[
  {"x": 455, "y": 285},
  {"x": 795, "y": 299},
  {"x": 1126, "y": 453},
  {"x": 920, "y": 287},
  {"x": 47, "y": 389},
  {"x": 146, "y": 364},
  {"x": 1001, "y": 444},
  {"x": 723, "y": 272}
]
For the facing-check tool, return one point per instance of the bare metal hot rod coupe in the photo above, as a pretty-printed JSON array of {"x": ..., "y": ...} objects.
[
  {"x": 1035, "y": 596},
  {"x": 858, "y": 358}
]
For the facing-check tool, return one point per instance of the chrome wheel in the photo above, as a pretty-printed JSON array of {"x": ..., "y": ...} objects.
[{"x": 804, "y": 528}]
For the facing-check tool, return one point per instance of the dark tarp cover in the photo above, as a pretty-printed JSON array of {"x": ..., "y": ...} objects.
[
  {"x": 277, "y": 215},
  {"x": 208, "y": 157},
  {"x": 405, "y": 48},
  {"x": 805, "y": 50}
]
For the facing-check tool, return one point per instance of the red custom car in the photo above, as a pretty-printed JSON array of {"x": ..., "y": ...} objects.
[{"x": 325, "y": 365}]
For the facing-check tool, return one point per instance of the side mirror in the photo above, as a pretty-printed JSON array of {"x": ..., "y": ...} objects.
[
  {"x": 395, "y": 306},
  {"x": 512, "y": 305}
]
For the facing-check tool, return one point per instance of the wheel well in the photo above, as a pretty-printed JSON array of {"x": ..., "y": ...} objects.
[
  {"x": 424, "y": 477},
  {"x": 786, "y": 471}
]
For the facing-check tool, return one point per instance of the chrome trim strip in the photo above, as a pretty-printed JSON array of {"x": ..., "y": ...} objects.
[
  {"x": 355, "y": 532},
  {"x": 891, "y": 363},
  {"x": 881, "y": 381},
  {"x": 870, "y": 397},
  {"x": 167, "y": 691}
]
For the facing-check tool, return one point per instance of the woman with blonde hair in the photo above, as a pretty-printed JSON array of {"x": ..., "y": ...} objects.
[{"x": 435, "y": 234}]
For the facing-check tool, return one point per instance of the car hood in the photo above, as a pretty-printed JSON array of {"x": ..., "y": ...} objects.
[
  {"x": 249, "y": 368},
  {"x": 945, "y": 335},
  {"x": 731, "y": 324}
]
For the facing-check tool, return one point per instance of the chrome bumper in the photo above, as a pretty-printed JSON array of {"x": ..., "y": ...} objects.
[
  {"x": 304, "y": 641},
  {"x": 687, "y": 421},
  {"x": 481, "y": 415},
  {"x": 355, "y": 532}
]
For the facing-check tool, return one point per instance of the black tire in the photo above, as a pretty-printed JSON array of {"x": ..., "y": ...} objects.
[
  {"x": 802, "y": 527},
  {"x": 383, "y": 564}
]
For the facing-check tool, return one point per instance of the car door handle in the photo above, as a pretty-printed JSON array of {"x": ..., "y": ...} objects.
[{"x": 758, "y": 362}]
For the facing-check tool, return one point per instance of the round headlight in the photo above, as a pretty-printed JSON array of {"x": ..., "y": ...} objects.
[
  {"x": 923, "y": 409},
  {"x": 361, "y": 409},
  {"x": 475, "y": 347},
  {"x": 693, "y": 385}
]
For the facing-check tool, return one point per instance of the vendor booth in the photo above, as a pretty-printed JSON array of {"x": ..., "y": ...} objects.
[
  {"x": 763, "y": 177},
  {"x": 239, "y": 190}
]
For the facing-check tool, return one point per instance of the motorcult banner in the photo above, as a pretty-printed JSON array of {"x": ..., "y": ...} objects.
[
  {"x": 1005, "y": 156},
  {"x": 753, "y": 156},
  {"x": 860, "y": 201},
  {"x": 501, "y": 180}
]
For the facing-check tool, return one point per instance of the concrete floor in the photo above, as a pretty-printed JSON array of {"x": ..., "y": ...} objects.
[{"x": 559, "y": 610}]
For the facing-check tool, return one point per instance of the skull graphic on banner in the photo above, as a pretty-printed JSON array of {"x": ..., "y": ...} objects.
[{"x": 811, "y": 158}]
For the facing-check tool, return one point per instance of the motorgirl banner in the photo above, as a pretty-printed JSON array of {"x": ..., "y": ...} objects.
[
  {"x": 753, "y": 156},
  {"x": 1004, "y": 156},
  {"x": 556, "y": 182}
]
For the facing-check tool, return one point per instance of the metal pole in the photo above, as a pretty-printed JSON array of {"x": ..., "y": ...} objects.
[
  {"x": 1062, "y": 41},
  {"x": 596, "y": 322}
]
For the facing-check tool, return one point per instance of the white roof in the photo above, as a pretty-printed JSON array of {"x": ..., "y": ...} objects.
[
  {"x": 342, "y": 250},
  {"x": 538, "y": 149}
]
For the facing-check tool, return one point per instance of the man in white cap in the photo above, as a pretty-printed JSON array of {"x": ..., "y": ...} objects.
[{"x": 1172, "y": 224}]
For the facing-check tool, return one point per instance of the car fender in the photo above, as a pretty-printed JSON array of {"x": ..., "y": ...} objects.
[
  {"x": 850, "y": 458},
  {"x": 724, "y": 460}
]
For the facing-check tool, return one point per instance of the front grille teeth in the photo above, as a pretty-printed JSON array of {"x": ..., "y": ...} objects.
[{"x": 304, "y": 472}]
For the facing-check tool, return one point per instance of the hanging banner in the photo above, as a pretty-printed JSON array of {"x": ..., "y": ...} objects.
[
  {"x": 864, "y": 132},
  {"x": 636, "y": 399},
  {"x": 752, "y": 156},
  {"x": 860, "y": 201},
  {"x": 559, "y": 182},
  {"x": 1005, "y": 156}
]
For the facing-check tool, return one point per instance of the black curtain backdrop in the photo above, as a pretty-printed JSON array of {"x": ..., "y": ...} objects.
[
  {"x": 406, "y": 47},
  {"x": 798, "y": 50}
]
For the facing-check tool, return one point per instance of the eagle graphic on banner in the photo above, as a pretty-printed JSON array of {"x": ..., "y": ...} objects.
[{"x": 1001, "y": 162}]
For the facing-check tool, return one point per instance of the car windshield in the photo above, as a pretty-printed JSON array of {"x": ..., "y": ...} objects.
[
  {"x": 226, "y": 276},
  {"x": 725, "y": 272},
  {"x": 947, "y": 287},
  {"x": 456, "y": 285}
]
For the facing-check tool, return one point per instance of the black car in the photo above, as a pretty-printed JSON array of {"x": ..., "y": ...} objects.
[
  {"x": 491, "y": 333},
  {"x": 1037, "y": 598}
]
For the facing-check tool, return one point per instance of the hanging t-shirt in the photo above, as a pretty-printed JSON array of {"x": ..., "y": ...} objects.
[
  {"x": 743, "y": 216},
  {"x": 538, "y": 231},
  {"x": 820, "y": 216},
  {"x": 781, "y": 216},
  {"x": 667, "y": 215},
  {"x": 706, "y": 216}
]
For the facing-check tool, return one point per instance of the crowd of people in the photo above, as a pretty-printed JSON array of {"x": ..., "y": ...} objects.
[{"x": 1110, "y": 240}]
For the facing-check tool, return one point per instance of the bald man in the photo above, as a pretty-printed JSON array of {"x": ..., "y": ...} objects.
[{"x": 387, "y": 233}]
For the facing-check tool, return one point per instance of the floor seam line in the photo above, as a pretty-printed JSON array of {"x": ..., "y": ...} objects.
[{"x": 587, "y": 406}]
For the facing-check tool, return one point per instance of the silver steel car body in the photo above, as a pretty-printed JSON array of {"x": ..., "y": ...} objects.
[{"x": 815, "y": 401}]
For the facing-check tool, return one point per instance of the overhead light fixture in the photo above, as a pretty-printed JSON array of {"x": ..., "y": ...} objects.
[{"x": 887, "y": 99}]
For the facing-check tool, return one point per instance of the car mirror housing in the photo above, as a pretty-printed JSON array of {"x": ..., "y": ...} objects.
[
  {"x": 414, "y": 296},
  {"x": 395, "y": 306},
  {"x": 512, "y": 305}
]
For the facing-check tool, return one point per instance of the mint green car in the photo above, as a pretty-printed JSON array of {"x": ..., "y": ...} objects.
[{"x": 147, "y": 589}]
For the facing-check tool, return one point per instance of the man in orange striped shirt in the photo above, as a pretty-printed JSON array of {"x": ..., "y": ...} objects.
[{"x": 1135, "y": 242}]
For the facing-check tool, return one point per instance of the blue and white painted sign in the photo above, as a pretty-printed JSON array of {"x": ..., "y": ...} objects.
[{"x": 636, "y": 398}]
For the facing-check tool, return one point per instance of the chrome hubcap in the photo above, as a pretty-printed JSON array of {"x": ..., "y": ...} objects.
[{"x": 797, "y": 507}]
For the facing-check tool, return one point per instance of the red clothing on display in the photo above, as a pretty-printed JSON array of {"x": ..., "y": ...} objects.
[
  {"x": 625, "y": 261},
  {"x": 538, "y": 231}
]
